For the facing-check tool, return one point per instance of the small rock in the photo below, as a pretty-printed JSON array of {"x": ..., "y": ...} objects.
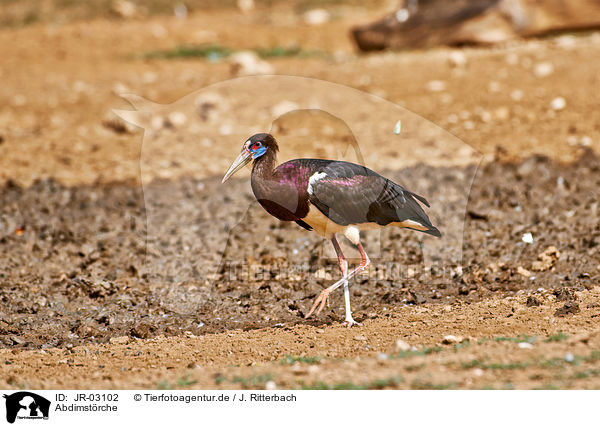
[
  {"x": 401, "y": 345},
  {"x": 398, "y": 127},
  {"x": 117, "y": 124},
  {"x": 533, "y": 301},
  {"x": 546, "y": 260},
  {"x": 457, "y": 58},
  {"x": 450, "y": 339},
  {"x": 558, "y": 103},
  {"x": 525, "y": 345},
  {"x": 524, "y": 272},
  {"x": 245, "y": 5},
  {"x": 502, "y": 113},
  {"x": 316, "y": 17},
  {"x": 569, "y": 357},
  {"x": 402, "y": 15},
  {"x": 270, "y": 385},
  {"x": 516, "y": 95},
  {"x": 543, "y": 69},
  {"x": 527, "y": 238},
  {"x": 415, "y": 298},
  {"x": 142, "y": 331},
  {"x": 225, "y": 129},
  {"x": 177, "y": 119},
  {"x": 564, "y": 294},
  {"x": 119, "y": 340},
  {"x": 124, "y": 8},
  {"x": 478, "y": 372},
  {"x": 436, "y": 86},
  {"x": 16, "y": 340},
  {"x": 568, "y": 308},
  {"x": 159, "y": 31},
  {"x": 297, "y": 369},
  {"x": 248, "y": 63},
  {"x": 494, "y": 87},
  {"x": 180, "y": 10}
]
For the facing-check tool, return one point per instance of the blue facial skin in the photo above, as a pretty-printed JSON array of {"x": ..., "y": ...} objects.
[{"x": 258, "y": 152}]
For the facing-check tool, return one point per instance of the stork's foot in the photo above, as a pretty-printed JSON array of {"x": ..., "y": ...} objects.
[
  {"x": 321, "y": 300},
  {"x": 349, "y": 322}
]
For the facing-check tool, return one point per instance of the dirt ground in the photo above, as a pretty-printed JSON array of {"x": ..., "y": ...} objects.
[{"x": 184, "y": 283}]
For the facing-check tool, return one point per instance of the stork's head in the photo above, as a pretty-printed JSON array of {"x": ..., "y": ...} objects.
[{"x": 253, "y": 149}]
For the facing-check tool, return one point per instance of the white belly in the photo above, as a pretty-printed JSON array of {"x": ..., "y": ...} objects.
[{"x": 326, "y": 227}]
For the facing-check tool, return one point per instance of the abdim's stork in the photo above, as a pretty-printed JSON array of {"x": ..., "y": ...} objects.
[{"x": 331, "y": 197}]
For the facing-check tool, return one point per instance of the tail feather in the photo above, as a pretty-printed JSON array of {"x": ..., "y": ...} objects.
[{"x": 418, "y": 215}]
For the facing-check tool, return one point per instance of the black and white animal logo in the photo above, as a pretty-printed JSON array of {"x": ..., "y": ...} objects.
[{"x": 26, "y": 405}]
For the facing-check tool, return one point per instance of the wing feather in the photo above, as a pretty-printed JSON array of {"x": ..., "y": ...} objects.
[{"x": 348, "y": 193}]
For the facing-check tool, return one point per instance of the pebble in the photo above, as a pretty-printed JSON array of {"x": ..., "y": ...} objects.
[
  {"x": 502, "y": 113},
  {"x": 525, "y": 345},
  {"x": 533, "y": 301},
  {"x": 225, "y": 129},
  {"x": 270, "y": 385},
  {"x": 177, "y": 118},
  {"x": 457, "y": 58},
  {"x": 436, "y": 86},
  {"x": 313, "y": 369},
  {"x": 527, "y": 238},
  {"x": 398, "y": 127},
  {"x": 119, "y": 88},
  {"x": 157, "y": 122},
  {"x": 494, "y": 86},
  {"x": 516, "y": 95},
  {"x": 558, "y": 103},
  {"x": 452, "y": 118},
  {"x": 316, "y": 17},
  {"x": 248, "y": 63},
  {"x": 450, "y": 339},
  {"x": 149, "y": 77},
  {"x": 119, "y": 340},
  {"x": 524, "y": 272},
  {"x": 159, "y": 31},
  {"x": 401, "y": 345},
  {"x": 402, "y": 15},
  {"x": 245, "y": 5},
  {"x": 124, "y": 9},
  {"x": 569, "y": 357},
  {"x": 180, "y": 11},
  {"x": 543, "y": 69}
]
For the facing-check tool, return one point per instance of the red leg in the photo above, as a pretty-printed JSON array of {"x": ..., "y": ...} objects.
[{"x": 323, "y": 298}]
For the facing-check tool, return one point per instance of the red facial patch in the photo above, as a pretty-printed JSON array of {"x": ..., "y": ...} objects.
[{"x": 255, "y": 146}]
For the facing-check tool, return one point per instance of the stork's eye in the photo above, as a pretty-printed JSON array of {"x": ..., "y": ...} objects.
[{"x": 256, "y": 146}]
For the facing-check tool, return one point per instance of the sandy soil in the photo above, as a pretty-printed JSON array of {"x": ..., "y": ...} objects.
[{"x": 106, "y": 283}]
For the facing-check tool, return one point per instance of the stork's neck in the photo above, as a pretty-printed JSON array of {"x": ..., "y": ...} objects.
[{"x": 264, "y": 165}]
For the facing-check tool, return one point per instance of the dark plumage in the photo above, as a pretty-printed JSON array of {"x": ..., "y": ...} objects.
[{"x": 330, "y": 197}]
